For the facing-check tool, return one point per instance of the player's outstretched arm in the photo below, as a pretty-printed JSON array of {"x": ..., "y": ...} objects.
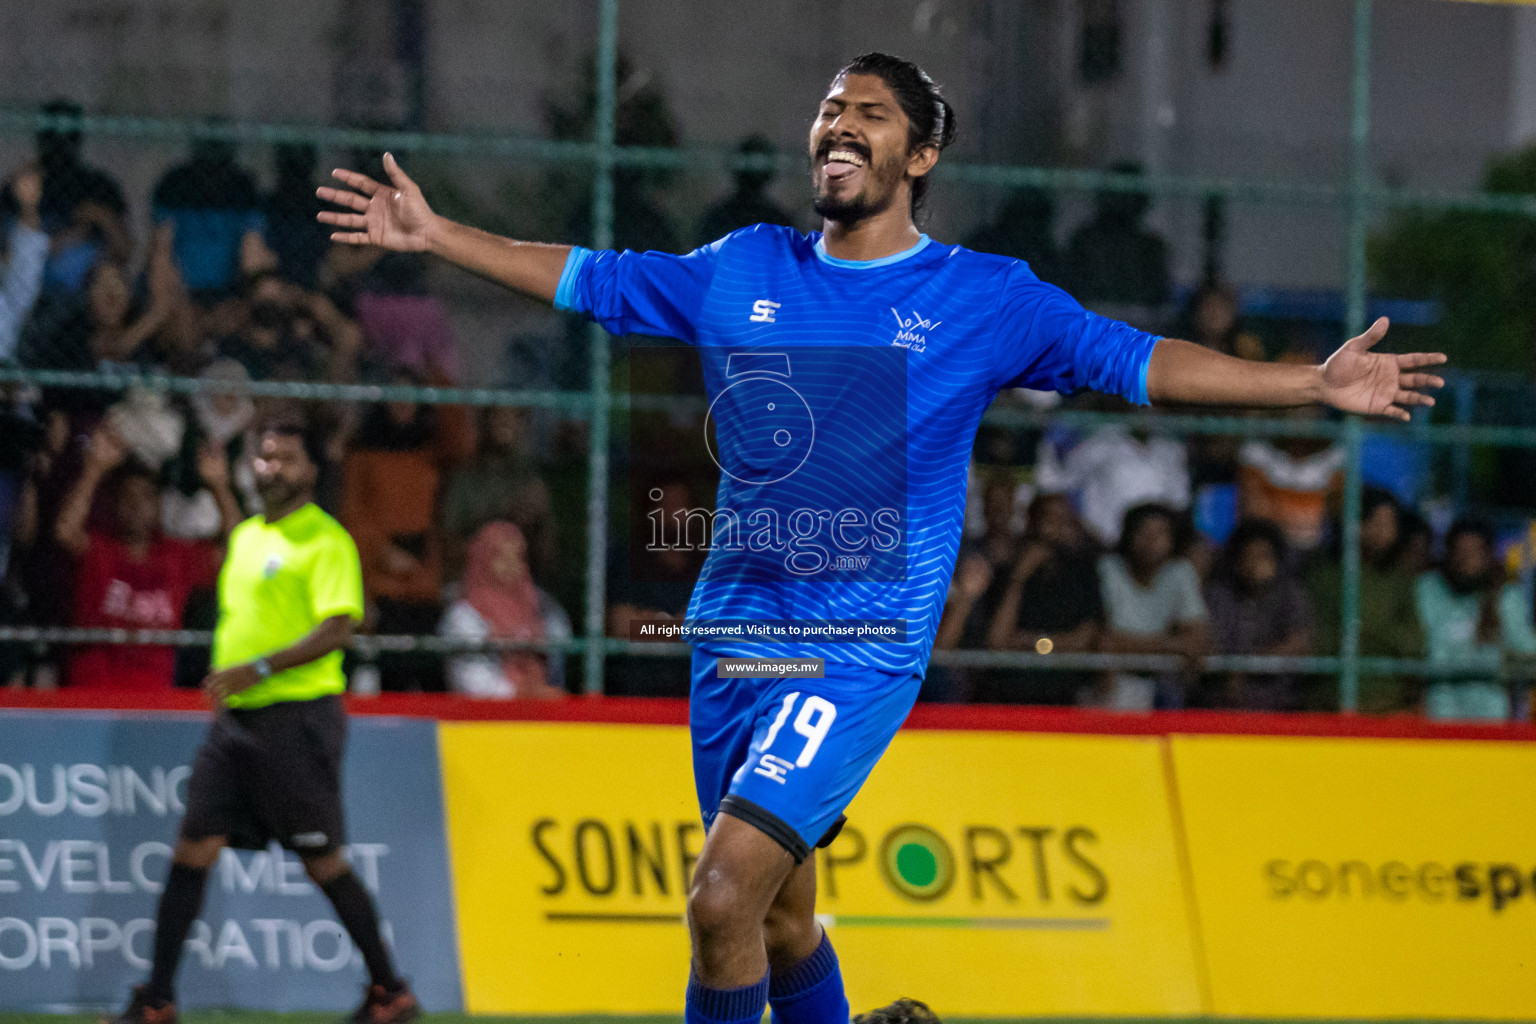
[
  {"x": 396, "y": 216},
  {"x": 1353, "y": 379}
]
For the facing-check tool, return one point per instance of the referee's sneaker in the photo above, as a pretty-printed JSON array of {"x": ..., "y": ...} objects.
[{"x": 270, "y": 768}]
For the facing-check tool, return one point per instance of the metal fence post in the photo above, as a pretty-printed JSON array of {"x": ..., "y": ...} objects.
[
  {"x": 602, "y": 238},
  {"x": 1354, "y": 323},
  {"x": 1349, "y": 634}
]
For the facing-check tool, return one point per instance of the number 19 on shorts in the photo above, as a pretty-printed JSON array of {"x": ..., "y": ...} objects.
[{"x": 814, "y": 719}]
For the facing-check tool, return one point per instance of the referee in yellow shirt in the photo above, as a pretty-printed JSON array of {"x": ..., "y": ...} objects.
[{"x": 290, "y": 593}]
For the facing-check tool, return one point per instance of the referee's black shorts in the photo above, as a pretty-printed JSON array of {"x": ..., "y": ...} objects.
[{"x": 271, "y": 773}]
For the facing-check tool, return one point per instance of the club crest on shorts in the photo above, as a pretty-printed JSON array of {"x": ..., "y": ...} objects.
[{"x": 270, "y": 568}]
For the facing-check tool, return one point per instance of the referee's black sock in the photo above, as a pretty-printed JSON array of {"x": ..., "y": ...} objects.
[
  {"x": 179, "y": 906},
  {"x": 354, "y": 908}
]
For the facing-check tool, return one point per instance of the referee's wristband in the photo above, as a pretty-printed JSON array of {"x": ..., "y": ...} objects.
[{"x": 263, "y": 668}]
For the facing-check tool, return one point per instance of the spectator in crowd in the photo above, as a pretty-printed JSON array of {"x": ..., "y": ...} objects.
[
  {"x": 750, "y": 203},
  {"x": 223, "y": 419},
  {"x": 119, "y": 329},
  {"x": 390, "y": 484},
  {"x": 210, "y": 207},
  {"x": 82, "y": 207},
  {"x": 1258, "y": 606},
  {"x": 25, "y": 257},
  {"x": 292, "y": 334},
  {"x": 295, "y": 237},
  {"x": 1290, "y": 481},
  {"x": 185, "y": 344},
  {"x": 105, "y": 327},
  {"x": 1000, "y": 519},
  {"x": 1418, "y": 543},
  {"x": 1115, "y": 260},
  {"x": 1210, "y": 318},
  {"x": 652, "y": 583},
  {"x": 1389, "y": 620},
  {"x": 502, "y": 482},
  {"x": 41, "y": 574},
  {"x": 1152, "y": 605},
  {"x": 148, "y": 426},
  {"x": 405, "y": 327},
  {"x": 135, "y": 578},
  {"x": 973, "y": 592},
  {"x": 501, "y": 601},
  {"x": 220, "y": 423},
  {"x": 21, "y": 440},
  {"x": 1051, "y": 592},
  {"x": 996, "y": 454},
  {"x": 1472, "y": 615},
  {"x": 1024, "y": 229},
  {"x": 960, "y": 624},
  {"x": 1113, "y": 470}
]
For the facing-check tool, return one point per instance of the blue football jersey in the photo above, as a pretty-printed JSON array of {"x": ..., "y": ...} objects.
[{"x": 877, "y": 374}]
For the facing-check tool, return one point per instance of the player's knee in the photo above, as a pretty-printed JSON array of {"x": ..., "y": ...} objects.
[
  {"x": 198, "y": 853},
  {"x": 715, "y": 907}
]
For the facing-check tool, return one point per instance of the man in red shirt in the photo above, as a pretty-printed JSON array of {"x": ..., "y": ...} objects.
[{"x": 133, "y": 578}]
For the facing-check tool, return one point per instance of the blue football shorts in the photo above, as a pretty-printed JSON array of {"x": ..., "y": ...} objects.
[{"x": 788, "y": 755}]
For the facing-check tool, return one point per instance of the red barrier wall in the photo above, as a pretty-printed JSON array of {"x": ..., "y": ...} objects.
[{"x": 991, "y": 717}]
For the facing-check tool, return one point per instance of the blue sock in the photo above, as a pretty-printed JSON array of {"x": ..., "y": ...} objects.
[
  {"x": 725, "y": 1006},
  {"x": 811, "y": 992}
]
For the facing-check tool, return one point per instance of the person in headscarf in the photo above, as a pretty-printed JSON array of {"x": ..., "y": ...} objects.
[{"x": 501, "y": 601}]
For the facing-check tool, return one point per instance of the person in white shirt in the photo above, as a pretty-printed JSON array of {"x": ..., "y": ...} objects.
[
  {"x": 1113, "y": 470},
  {"x": 1152, "y": 605}
]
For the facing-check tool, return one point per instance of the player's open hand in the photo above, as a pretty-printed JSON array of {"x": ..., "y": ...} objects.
[
  {"x": 394, "y": 216},
  {"x": 1355, "y": 379}
]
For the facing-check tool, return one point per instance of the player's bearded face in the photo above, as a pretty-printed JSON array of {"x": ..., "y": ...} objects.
[
  {"x": 878, "y": 181},
  {"x": 859, "y": 150}
]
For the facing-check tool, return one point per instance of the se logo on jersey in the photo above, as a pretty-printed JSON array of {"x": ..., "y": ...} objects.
[{"x": 763, "y": 310}]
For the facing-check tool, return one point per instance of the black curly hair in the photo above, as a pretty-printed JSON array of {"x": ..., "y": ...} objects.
[{"x": 902, "y": 1011}]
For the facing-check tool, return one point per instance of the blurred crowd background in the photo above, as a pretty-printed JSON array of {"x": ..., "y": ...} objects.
[{"x": 150, "y": 227}]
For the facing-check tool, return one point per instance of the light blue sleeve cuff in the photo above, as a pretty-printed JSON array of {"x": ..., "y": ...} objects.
[{"x": 565, "y": 292}]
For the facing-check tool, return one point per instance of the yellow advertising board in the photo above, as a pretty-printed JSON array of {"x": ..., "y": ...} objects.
[
  {"x": 987, "y": 873},
  {"x": 1363, "y": 878},
  {"x": 569, "y": 846}
]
